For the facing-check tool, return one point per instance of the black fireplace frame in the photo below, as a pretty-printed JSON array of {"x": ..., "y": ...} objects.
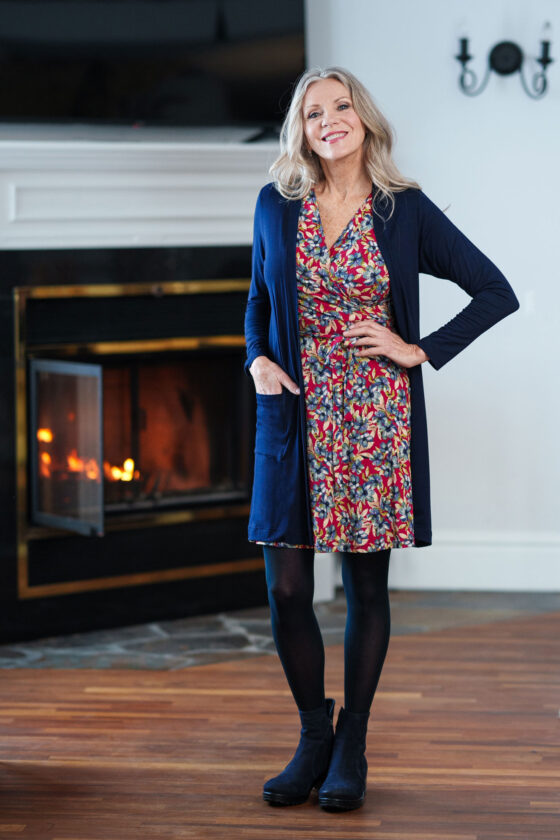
[{"x": 28, "y": 589}]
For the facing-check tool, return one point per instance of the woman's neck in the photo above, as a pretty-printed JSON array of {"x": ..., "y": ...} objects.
[{"x": 344, "y": 180}]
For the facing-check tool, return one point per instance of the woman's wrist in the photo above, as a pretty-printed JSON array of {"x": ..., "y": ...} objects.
[
  {"x": 257, "y": 363},
  {"x": 419, "y": 355}
]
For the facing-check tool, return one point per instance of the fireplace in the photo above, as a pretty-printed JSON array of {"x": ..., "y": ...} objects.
[
  {"x": 126, "y": 421},
  {"x": 134, "y": 442}
]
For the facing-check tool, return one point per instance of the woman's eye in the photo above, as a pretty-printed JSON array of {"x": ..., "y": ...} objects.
[
  {"x": 312, "y": 114},
  {"x": 344, "y": 105}
]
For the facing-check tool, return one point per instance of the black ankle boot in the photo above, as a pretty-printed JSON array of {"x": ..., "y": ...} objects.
[
  {"x": 345, "y": 785},
  {"x": 309, "y": 766}
]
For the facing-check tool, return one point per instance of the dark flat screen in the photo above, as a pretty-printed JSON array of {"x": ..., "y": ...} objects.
[{"x": 152, "y": 62}]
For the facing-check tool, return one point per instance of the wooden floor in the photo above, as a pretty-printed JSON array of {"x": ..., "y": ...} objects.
[{"x": 464, "y": 744}]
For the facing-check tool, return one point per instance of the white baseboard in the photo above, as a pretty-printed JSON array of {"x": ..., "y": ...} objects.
[
  {"x": 519, "y": 561},
  {"x": 491, "y": 561}
]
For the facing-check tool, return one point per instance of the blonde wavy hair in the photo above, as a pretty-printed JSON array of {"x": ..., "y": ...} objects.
[{"x": 296, "y": 172}]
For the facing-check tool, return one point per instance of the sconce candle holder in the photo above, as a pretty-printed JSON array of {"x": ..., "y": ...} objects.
[{"x": 504, "y": 59}]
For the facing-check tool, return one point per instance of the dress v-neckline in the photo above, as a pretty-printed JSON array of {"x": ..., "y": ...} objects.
[{"x": 329, "y": 248}]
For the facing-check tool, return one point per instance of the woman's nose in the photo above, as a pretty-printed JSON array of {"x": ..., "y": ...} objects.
[{"x": 328, "y": 118}]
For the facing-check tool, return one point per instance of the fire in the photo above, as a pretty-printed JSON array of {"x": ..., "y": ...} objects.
[
  {"x": 89, "y": 466},
  {"x": 45, "y": 465},
  {"x": 124, "y": 473}
]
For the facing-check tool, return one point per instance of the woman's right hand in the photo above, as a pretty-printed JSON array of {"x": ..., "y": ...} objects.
[{"x": 269, "y": 377}]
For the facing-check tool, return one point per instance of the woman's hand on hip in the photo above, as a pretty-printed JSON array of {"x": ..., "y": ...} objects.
[
  {"x": 371, "y": 339},
  {"x": 269, "y": 378}
]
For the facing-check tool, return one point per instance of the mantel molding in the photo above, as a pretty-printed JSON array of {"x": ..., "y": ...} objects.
[{"x": 80, "y": 194}]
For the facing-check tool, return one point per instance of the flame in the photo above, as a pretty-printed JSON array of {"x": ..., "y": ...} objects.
[
  {"x": 88, "y": 466},
  {"x": 124, "y": 473},
  {"x": 45, "y": 465}
]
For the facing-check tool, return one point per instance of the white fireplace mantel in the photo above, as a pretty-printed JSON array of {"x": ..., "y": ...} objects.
[{"x": 127, "y": 188}]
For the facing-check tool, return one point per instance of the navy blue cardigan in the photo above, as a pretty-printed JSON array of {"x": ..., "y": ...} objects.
[{"x": 417, "y": 238}]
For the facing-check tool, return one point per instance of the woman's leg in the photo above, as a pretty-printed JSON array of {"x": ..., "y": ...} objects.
[
  {"x": 368, "y": 626},
  {"x": 290, "y": 581},
  {"x": 289, "y": 575}
]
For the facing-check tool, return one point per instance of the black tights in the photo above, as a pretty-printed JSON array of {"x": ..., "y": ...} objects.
[{"x": 290, "y": 581}]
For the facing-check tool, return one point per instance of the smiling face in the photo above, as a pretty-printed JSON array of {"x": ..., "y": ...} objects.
[{"x": 331, "y": 126}]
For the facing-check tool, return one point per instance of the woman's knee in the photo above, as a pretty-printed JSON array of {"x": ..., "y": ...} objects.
[
  {"x": 289, "y": 578},
  {"x": 288, "y": 595}
]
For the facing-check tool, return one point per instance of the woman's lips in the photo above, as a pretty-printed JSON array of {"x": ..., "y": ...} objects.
[{"x": 334, "y": 136}]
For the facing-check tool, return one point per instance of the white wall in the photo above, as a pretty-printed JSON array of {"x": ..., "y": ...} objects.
[{"x": 494, "y": 159}]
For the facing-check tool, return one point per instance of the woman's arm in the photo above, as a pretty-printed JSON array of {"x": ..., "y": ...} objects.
[
  {"x": 446, "y": 252},
  {"x": 257, "y": 313},
  {"x": 269, "y": 378}
]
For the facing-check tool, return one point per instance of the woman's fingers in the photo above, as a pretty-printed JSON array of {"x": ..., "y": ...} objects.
[
  {"x": 366, "y": 328},
  {"x": 373, "y": 335},
  {"x": 267, "y": 388},
  {"x": 288, "y": 383},
  {"x": 274, "y": 385},
  {"x": 371, "y": 339}
]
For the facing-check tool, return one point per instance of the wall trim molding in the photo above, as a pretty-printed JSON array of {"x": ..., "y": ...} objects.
[
  {"x": 509, "y": 561},
  {"x": 89, "y": 194},
  {"x": 483, "y": 561}
]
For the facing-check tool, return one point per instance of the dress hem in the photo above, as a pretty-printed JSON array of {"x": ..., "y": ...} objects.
[{"x": 333, "y": 550}]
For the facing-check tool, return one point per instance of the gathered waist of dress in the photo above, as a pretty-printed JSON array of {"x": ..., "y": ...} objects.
[{"x": 322, "y": 325}]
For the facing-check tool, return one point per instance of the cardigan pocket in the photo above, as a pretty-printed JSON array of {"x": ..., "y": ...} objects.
[{"x": 276, "y": 421}]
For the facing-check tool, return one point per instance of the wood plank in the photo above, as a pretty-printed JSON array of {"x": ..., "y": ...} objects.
[{"x": 464, "y": 744}]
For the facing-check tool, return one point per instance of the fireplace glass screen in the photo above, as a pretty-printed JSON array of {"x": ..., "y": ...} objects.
[
  {"x": 66, "y": 446},
  {"x": 136, "y": 434}
]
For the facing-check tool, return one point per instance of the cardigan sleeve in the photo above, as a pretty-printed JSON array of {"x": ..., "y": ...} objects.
[
  {"x": 446, "y": 252},
  {"x": 257, "y": 312}
]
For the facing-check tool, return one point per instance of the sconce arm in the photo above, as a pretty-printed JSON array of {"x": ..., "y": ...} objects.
[
  {"x": 468, "y": 81},
  {"x": 538, "y": 84}
]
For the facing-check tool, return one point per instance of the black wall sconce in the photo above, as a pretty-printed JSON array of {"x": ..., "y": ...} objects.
[{"x": 505, "y": 58}]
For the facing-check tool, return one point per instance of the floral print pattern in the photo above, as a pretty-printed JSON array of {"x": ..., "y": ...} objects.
[{"x": 358, "y": 409}]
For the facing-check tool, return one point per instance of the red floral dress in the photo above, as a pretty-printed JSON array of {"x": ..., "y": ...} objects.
[{"x": 358, "y": 409}]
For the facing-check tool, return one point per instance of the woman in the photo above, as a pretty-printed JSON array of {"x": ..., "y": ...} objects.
[{"x": 334, "y": 348}]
